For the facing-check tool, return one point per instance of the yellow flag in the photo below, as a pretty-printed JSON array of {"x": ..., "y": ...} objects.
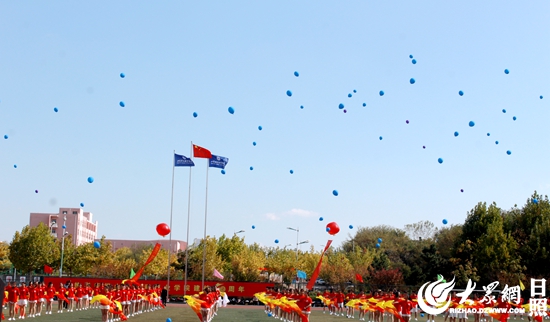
[{"x": 521, "y": 286}]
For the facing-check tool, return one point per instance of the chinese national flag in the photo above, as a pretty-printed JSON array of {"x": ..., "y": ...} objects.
[
  {"x": 47, "y": 269},
  {"x": 359, "y": 278},
  {"x": 199, "y": 152}
]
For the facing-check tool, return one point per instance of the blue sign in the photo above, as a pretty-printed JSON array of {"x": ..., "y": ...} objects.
[{"x": 182, "y": 161}]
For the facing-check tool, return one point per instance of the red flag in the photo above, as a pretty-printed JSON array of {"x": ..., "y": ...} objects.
[
  {"x": 199, "y": 152},
  {"x": 47, "y": 269},
  {"x": 318, "y": 268},
  {"x": 359, "y": 278},
  {"x": 154, "y": 253}
]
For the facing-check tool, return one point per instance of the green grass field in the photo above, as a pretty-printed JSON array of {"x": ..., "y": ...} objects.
[{"x": 181, "y": 313}]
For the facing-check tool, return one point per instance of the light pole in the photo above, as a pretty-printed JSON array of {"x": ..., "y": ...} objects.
[
  {"x": 300, "y": 243},
  {"x": 63, "y": 246},
  {"x": 240, "y": 231},
  {"x": 297, "y": 230}
]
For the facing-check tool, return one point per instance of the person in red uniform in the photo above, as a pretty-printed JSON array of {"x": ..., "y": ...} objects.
[
  {"x": 41, "y": 293},
  {"x": 71, "y": 295},
  {"x": 33, "y": 299},
  {"x": 205, "y": 304},
  {"x": 23, "y": 299},
  {"x": 362, "y": 297},
  {"x": 61, "y": 294},
  {"x": 350, "y": 309},
  {"x": 50, "y": 293},
  {"x": 78, "y": 294},
  {"x": 325, "y": 295},
  {"x": 304, "y": 303},
  {"x": 13, "y": 298},
  {"x": 340, "y": 303}
]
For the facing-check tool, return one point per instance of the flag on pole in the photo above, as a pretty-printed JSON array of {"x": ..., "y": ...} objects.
[
  {"x": 301, "y": 274},
  {"x": 217, "y": 161},
  {"x": 132, "y": 273},
  {"x": 217, "y": 274},
  {"x": 311, "y": 282},
  {"x": 359, "y": 278},
  {"x": 47, "y": 269},
  {"x": 521, "y": 286},
  {"x": 182, "y": 161},
  {"x": 200, "y": 152}
]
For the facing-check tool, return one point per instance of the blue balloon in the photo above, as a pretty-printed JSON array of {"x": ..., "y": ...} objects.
[
  {"x": 121, "y": 104},
  {"x": 496, "y": 142},
  {"x": 327, "y": 229},
  {"x": 471, "y": 124},
  {"x": 508, "y": 152},
  {"x": 90, "y": 179},
  {"x": 535, "y": 200},
  {"x": 195, "y": 114},
  {"x": 422, "y": 315},
  {"x": 380, "y": 138},
  {"x": 414, "y": 61},
  {"x": 269, "y": 314},
  {"x": 122, "y": 75},
  {"x": 288, "y": 93},
  {"x": 506, "y": 71},
  {"x": 254, "y": 143},
  {"x": 423, "y": 147},
  {"x": 412, "y": 81},
  {"x": 440, "y": 160},
  {"x": 381, "y": 93},
  {"x": 320, "y": 218},
  {"x": 168, "y": 320},
  {"x": 260, "y": 127},
  {"x": 6, "y": 136},
  {"x": 291, "y": 171},
  {"x": 461, "y": 190},
  {"x": 251, "y": 168},
  {"x": 55, "y": 109},
  {"x": 64, "y": 227},
  {"x": 223, "y": 171},
  {"x": 444, "y": 221},
  {"x": 541, "y": 97},
  {"x": 81, "y": 204},
  {"x": 302, "y": 107},
  {"x": 341, "y": 106},
  {"x": 97, "y": 244},
  {"x": 350, "y": 226},
  {"x": 231, "y": 110},
  {"x": 460, "y": 93},
  {"x": 335, "y": 192},
  {"x": 15, "y": 166},
  {"x": 349, "y": 95},
  {"x": 456, "y": 133},
  {"x": 503, "y": 110},
  {"x": 276, "y": 241},
  {"x": 355, "y": 91},
  {"x": 364, "y": 104},
  {"x": 253, "y": 227},
  {"x": 411, "y": 56},
  {"x": 379, "y": 240},
  {"x": 488, "y": 134},
  {"x": 514, "y": 118},
  {"x": 296, "y": 74},
  {"x": 377, "y": 245}
]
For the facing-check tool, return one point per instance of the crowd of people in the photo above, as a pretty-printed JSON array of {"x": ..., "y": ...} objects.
[
  {"x": 116, "y": 302},
  {"x": 292, "y": 306}
]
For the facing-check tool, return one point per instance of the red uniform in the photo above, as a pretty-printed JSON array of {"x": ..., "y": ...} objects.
[
  {"x": 50, "y": 293},
  {"x": 33, "y": 296},
  {"x": 71, "y": 292},
  {"x": 23, "y": 293},
  {"x": 205, "y": 304},
  {"x": 13, "y": 295}
]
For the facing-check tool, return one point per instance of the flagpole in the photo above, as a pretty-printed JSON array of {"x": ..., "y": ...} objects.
[
  {"x": 171, "y": 209},
  {"x": 205, "y": 216},
  {"x": 188, "y": 216}
]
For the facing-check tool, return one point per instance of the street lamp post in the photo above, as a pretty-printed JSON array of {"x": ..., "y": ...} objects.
[
  {"x": 240, "y": 231},
  {"x": 63, "y": 246},
  {"x": 297, "y": 230},
  {"x": 300, "y": 243}
]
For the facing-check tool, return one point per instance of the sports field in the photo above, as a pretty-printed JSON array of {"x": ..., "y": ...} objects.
[{"x": 181, "y": 312}]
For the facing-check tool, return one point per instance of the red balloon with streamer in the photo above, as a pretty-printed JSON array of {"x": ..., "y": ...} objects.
[
  {"x": 333, "y": 228},
  {"x": 163, "y": 229}
]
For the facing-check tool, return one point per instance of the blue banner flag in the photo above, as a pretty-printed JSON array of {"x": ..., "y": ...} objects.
[
  {"x": 182, "y": 161},
  {"x": 301, "y": 274},
  {"x": 218, "y": 162}
]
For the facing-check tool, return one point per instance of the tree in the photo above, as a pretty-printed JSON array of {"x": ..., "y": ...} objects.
[
  {"x": 423, "y": 230},
  {"x": 195, "y": 262},
  {"x": 336, "y": 268},
  {"x": 5, "y": 263},
  {"x": 245, "y": 266},
  {"x": 281, "y": 261},
  {"x": 32, "y": 248},
  {"x": 387, "y": 279}
]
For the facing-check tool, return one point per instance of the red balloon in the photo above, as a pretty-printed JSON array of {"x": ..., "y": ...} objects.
[
  {"x": 163, "y": 229},
  {"x": 333, "y": 228}
]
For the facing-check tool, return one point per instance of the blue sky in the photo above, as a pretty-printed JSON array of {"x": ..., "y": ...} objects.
[{"x": 184, "y": 57}]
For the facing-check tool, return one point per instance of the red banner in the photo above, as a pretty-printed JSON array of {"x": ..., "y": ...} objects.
[{"x": 233, "y": 289}]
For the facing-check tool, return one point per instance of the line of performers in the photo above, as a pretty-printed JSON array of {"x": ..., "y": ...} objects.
[
  {"x": 289, "y": 305},
  {"x": 116, "y": 302},
  {"x": 206, "y": 303}
]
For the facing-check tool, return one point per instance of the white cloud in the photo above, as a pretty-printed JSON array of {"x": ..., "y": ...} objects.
[{"x": 272, "y": 216}]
